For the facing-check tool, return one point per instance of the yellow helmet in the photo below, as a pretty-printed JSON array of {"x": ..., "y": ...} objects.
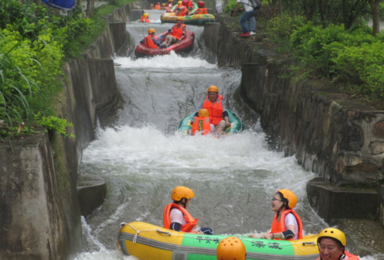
[
  {"x": 151, "y": 30},
  {"x": 203, "y": 113},
  {"x": 146, "y": 15},
  {"x": 182, "y": 192},
  {"x": 333, "y": 233},
  {"x": 290, "y": 196},
  {"x": 180, "y": 3},
  {"x": 151, "y": 4},
  {"x": 163, "y": 4},
  {"x": 213, "y": 89},
  {"x": 231, "y": 248}
]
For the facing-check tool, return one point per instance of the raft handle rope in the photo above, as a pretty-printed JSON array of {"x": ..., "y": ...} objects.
[
  {"x": 134, "y": 240},
  {"x": 163, "y": 232}
]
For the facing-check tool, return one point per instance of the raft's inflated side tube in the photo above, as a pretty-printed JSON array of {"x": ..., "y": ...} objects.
[
  {"x": 148, "y": 242},
  {"x": 184, "y": 45},
  {"x": 236, "y": 125},
  {"x": 61, "y": 4}
]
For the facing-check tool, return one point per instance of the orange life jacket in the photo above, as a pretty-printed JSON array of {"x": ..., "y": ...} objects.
[
  {"x": 182, "y": 12},
  {"x": 215, "y": 109},
  {"x": 179, "y": 6},
  {"x": 201, "y": 11},
  {"x": 191, "y": 222},
  {"x": 158, "y": 7},
  {"x": 148, "y": 42},
  {"x": 348, "y": 255},
  {"x": 278, "y": 223},
  {"x": 177, "y": 32},
  {"x": 144, "y": 20},
  {"x": 201, "y": 124}
]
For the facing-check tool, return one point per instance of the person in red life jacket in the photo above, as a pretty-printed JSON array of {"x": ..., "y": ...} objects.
[
  {"x": 231, "y": 248},
  {"x": 332, "y": 243},
  {"x": 175, "y": 34},
  {"x": 201, "y": 123},
  {"x": 218, "y": 115},
  {"x": 176, "y": 216},
  {"x": 150, "y": 41},
  {"x": 158, "y": 6},
  {"x": 201, "y": 9},
  {"x": 151, "y": 7},
  {"x": 144, "y": 18},
  {"x": 286, "y": 224}
]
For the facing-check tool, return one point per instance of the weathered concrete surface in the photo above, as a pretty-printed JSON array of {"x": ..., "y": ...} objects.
[
  {"x": 332, "y": 202},
  {"x": 92, "y": 191},
  {"x": 37, "y": 208},
  {"x": 211, "y": 35}
]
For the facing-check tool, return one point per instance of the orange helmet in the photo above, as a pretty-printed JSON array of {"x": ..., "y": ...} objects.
[
  {"x": 231, "y": 248},
  {"x": 203, "y": 113},
  {"x": 290, "y": 197},
  {"x": 213, "y": 89},
  {"x": 182, "y": 192},
  {"x": 200, "y": 4},
  {"x": 151, "y": 30}
]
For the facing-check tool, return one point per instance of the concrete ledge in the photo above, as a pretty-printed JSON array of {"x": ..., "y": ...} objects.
[
  {"x": 91, "y": 191},
  {"x": 332, "y": 202}
]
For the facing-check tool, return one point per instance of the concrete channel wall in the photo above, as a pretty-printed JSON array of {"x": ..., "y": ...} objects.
[{"x": 39, "y": 191}]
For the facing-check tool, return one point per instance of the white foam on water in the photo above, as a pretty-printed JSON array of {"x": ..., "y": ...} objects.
[{"x": 163, "y": 61}]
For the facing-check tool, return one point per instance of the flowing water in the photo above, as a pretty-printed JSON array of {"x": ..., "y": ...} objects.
[{"x": 142, "y": 157}]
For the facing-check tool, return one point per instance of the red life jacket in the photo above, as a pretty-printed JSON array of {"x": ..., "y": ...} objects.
[
  {"x": 158, "y": 7},
  {"x": 348, "y": 255},
  {"x": 201, "y": 124},
  {"x": 278, "y": 223},
  {"x": 201, "y": 11},
  {"x": 215, "y": 109},
  {"x": 148, "y": 42},
  {"x": 178, "y": 32},
  {"x": 191, "y": 222},
  {"x": 144, "y": 20}
]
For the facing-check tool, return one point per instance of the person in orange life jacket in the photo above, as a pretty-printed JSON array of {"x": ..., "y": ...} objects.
[
  {"x": 332, "y": 243},
  {"x": 286, "y": 224},
  {"x": 151, "y": 7},
  {"x": 157, "y": 6},
  {"x": 179, "y": 4},
  {"x": 176, "y": 216},
  {"x": 182, "y": 11},
  {"x": 201, "y": 9},
  {"x": 144, "y": 18},
  {"x": 175, "y": 34},
  {"x": 231, "y": 248},
  {"x": 201, "y": 123},
  {"x": 217, "y": 112},
  {"x": 150, "y": 41}
]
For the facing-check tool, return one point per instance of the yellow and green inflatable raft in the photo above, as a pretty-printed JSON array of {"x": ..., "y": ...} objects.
[{"x": 149, "y": 242}]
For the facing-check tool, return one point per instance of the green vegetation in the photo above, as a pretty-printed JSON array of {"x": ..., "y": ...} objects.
[
  {"x": 330, "y": 40},
  {"x": 34, "y": 43}
]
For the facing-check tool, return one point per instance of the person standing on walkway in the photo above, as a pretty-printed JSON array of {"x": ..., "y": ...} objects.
[{"x": 247, "y": 20}]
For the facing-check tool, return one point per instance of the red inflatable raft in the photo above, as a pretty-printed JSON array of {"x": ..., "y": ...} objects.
[{"x": 185, "y": 44}]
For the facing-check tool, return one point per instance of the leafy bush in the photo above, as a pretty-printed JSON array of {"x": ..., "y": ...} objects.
[{"x": 363, "y": 67}]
